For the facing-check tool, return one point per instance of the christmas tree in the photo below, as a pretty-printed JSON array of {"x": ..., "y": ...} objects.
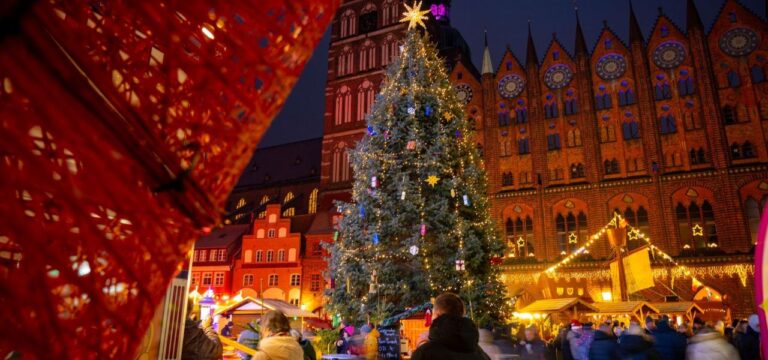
[{"x": 418, "y": 224}]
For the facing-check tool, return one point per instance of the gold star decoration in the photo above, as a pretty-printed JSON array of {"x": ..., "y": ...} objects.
[
  {"x": 633, "y": 234},
  {"x": 432, "y": 180},
  {"x": 414, "y": 15},
  {"x": 697, "y": 230},
  {"x": 447, "y": 115},
  {"x": 572, "y": 238},
  {"x": 520, "y": 241}
]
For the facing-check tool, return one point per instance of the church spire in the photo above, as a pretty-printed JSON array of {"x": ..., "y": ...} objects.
[
  {"x": 487, "y": 65},
  {"x": 581, "y": 44},
  {"x": 635, "y": 34},
  {"x": 693, "y": 18},
  {"x": 531, "y": 57}
]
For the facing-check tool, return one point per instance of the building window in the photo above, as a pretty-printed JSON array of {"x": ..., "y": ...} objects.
[
  {"x": 281, "y": 255},
  {"x": 668, "y": 124},
  {"x": 574, "y": 138},
  {"x": 523, "y": 147},
  {"x": 571, "y": 107},
  {"x": 218, "y": 279},
  {"x": 314, "y": 282},
  {"x": 295, "y": 280},
  {"x": 630, "y": 130},
  {"x": 697, "y": 157},
  {"x": 504, "y": 148},
  {"x": 691, "y": 121},
  {"x": 317, "y": 249},
  {"x": 368, "y": 21},
  {"x": 577, "y": 171},
  {"x": 207, "y": 279},
  {"x": 507, "y": 179},
  {"x": 696, "y": 225},
  {"x": 550, "y": 110},
  {"x": 673, "y": 160},
  {"x": 348, "y": 24},
  {"x": 203, "y": 255},
  {"x": 343, "y": 106},
  {"x": 270, "y": 256},
  {"x": 504, "y": 118},
  {"x": 519, "y": 232},
  {"x": 607, "y": 134},
  {"x": 626, "y": 97},
  {"x": 238, "y": 207},
  {"x": 259, "y": 256},
  {"x": 313, "y": 201},
  {"x": 603, "y": 101},
  {"x": 271, "y": 233},
  {"x": 757, "y": 74},
  {"x": 556, "y": 174},
  {"x": 272, "y": 280},
  {"x": 340, "y": 165},
  {"x": 212, "y": 256},
  {"x": 685, "y": 86},
  {"x": 291, "y": 211},
  {"x": 662, "y": 91},
  {"x": 365, "y": 94},
  {"x": 637, "y": 217},
  {"x": 222, "y": 255},
  {"x": 247, "y": 280},
  {"x": 262, "y": 203},
  {"x": 742, "y": 151},
  {"x": 553, "y": 142},
  {"x": 524, "y": 178},
  {"x": 729, "y": 115},
  {"x": 521, "y": 116},
  {"x": 611, "y": 166},
  {"x": 195, "y": 279},
  {"x": 571, "y": 231},
  {"x": 733, "y": 79}
]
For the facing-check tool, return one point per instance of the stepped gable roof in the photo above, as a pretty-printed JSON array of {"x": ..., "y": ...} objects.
[{"x": 287, "y": 163}]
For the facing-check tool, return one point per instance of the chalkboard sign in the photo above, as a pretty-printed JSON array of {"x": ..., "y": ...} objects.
[{"x": 389, "y": 343}]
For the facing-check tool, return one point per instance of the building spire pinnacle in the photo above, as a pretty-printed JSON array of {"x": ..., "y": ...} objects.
[
  {"x": 487, "y": 66},
  {"x": 692, "y": 18},
  {"x": 531, "y": 57},
  {"x": 581, "y": 44},
  {"x": 635, "y": 34}
]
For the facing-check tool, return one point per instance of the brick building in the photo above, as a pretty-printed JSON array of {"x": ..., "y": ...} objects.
[
  {"x": 213, "y": 258},
  {"x": 650, "y": 128}
]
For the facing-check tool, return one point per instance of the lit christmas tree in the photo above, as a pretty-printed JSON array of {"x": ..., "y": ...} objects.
[{"x": 419, "y": 224}]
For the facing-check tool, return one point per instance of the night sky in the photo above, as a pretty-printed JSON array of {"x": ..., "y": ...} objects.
[{"x": 506, "y": 22}]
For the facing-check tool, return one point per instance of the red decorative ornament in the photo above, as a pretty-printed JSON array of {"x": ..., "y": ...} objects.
[
  {"x": 428, "y": 318},
  {"x": 123, "y": 127}
]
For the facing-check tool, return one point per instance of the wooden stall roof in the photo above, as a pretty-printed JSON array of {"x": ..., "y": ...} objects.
[
  {"x": 624, "y": 307},
  {"x": 677, "y": 307},
  {"x": 558, "y": 305},
  {"x": 249, "y": 303}
]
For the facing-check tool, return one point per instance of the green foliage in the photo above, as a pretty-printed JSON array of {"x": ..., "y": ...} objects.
[
  {"x": 416, "y": 129},
  {"x": 325, "y": 340}
]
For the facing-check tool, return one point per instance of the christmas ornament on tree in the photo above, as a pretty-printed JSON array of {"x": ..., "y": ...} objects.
[
  {"x": 432, "y": 180},
  {"x": 414, "y": 250}
]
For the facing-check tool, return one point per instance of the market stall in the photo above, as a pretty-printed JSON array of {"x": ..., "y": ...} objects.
[
  {"x": 688, "y": 309},
  {"x": 632, "y": 310}
]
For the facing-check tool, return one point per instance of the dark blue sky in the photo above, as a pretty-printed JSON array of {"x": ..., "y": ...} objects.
[{"x": 506, "y": 22}]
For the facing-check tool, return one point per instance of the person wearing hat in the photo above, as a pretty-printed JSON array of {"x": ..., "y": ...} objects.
[
  {"x": 670, "y": 343},
  {"x": 578, "y": 341}
]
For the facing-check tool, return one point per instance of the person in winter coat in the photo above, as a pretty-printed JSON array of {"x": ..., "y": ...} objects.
[
  {"x": 533, "y": 348},
  {"x": 250, "y": 338},
  {"x": 561, "y": 344},
  {"x": 669, "y": 343},
  {"x": 200, "y": 340},
  {"x": 371, "y": 342},
  {"x": 306, "y": 345},
  {"x": 277, "y": 342},
  {"x": 579, "y": 340},
  {"x": 749, "y": 341},
  {"x": 451, "y": 335},
  {"x": 635, "y": 344},
  {"x": 486, "y": 343},
  {"x": 708, "y": 344},
  {"x": 342, "y": 344},
  {"x": 604, "y": 346}
]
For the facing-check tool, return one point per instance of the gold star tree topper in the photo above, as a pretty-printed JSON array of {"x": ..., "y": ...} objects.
[{"x": 414, "y": 15}]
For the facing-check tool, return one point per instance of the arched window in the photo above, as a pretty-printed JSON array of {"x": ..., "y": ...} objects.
[
  {"x": 753, "y": 211},
  {"x": 340, "y": 165},
  {"x": 577, "y": 171},
  {"x": 763, "y": 107},
  {"x": 389, "y": 12},
  {"x": 507, "y": 179},
  {"x": 343, "y": 108},
  {"x": 519, "y": 232},
  {"x": 637, "y": 217},
  {"x": 389, "y": 50},
  {"x": 747, "y": 150},
  {"x": 685, "y": 86},
  {"x": 367, "y": 57},
  {"x": 364, "y": 99},
  {"x": 247, "y": 280},
  {"x": 288, "y": 197},
  {"x": 757, "y": 74},
  {"x": 611, "y": 166},
  {"x": 574, "y": 138},
  {"x": 281, "y": 255},
  {"x": 571, "y": 230},
  {"x": 259, "y": 256},
  {"x": 248, "y": 257},
  {"x": 348, "y": 24},
  {"x": 291, "y": 211},
  {"x": 312, "y": 207},
  {"x": 630, "y": 130},
  {"x": 733, "y": 79},
  {"x": 607, "y": 134},
  {"x": 729, "y": 114},
  {"x": 696, "y": 225}
]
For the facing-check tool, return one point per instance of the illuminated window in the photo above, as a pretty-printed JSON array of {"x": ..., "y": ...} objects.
[
  {"x": 222, "y": 255},
  {"x": 272, "y": 280},
  {"x": 195, "y": 279},
  {"x": 259, "y": 256},
  {"x": 313, "y": 201},
  {"x": 519, "y": 232},
  {"x": 696, "y": 224},
  {"x": 271, "y": 233},
  {"x": 264, "y": 201},
  {"x": 207, "y": 277},
  {"x": 571, "y": 230},
  {"x": 314, "y": 282},
  {"x": 270, "y": 255},
  {"x": 240, "y": 205}
]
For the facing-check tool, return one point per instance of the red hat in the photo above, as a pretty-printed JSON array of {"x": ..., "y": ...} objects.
[{"x": 575, "y": 325}]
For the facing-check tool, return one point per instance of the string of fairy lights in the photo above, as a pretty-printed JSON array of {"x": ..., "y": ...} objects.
[{"x": 633, "y": 233}]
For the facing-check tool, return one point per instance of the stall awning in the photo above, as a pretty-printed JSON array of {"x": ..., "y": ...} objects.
[
  {"x": 251, "y": 304},
  {"x": 549, "y": 306},
  {"x": 624, "y": 307},
  {"x": 677, "y": 307}
]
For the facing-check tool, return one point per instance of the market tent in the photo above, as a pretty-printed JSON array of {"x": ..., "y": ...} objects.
[
  {"x": 687, "y": 308},
  {"x": 549, "y": 306},
  {"x": 249, "y": 304},
  {"x": 637, "y": 309}
]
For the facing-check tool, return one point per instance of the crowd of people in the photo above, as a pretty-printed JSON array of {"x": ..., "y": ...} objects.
[{"x": 454, "y": 336}]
